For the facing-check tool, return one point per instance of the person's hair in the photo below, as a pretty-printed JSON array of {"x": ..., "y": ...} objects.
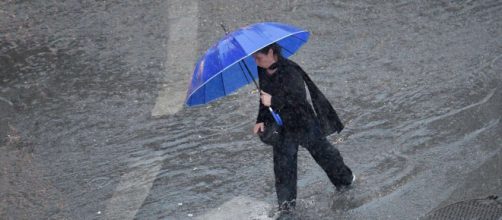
[{"x": 276, "y": 49}]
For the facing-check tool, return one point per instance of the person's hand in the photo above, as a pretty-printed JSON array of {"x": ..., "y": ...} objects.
[
  {"x": 259, "y": 127},
  {"x": 266, "y": 99}
]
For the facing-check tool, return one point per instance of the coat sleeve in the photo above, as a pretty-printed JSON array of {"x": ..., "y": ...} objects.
[
  {"x": 292, "y": 90},
  {"x": 262, "y": 111}
]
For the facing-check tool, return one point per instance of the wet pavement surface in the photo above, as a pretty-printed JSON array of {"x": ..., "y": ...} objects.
[{"x": 418, "y": 85}]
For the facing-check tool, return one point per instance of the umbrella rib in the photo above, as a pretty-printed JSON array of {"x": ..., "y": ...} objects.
[
  {"x": 294, "y": 35},
  {"x": 249, "y": 72},
  {"x": 245, "y": 76},
  {"x": 223, "y": 84},
  {"x": 205, "y": 88}
]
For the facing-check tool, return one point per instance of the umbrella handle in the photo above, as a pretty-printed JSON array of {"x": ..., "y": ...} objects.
[{"x": 277, "y": 117}]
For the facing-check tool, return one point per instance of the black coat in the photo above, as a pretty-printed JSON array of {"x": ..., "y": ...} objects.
[{"x": 289, "y": 100}]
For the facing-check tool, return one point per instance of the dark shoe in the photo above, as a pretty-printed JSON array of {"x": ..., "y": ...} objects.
[
  {"x": 285, "y": 215},
  {"x": 281, "y": 214},
  {"x": 286, "y": 210},
  {"x": 344, "y": 188}
]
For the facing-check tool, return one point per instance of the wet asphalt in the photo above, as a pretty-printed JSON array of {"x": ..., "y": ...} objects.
[{"x": 83, "y": 136}]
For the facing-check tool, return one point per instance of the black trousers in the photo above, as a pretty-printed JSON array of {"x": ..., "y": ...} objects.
[{"x": 285, "y": 164}]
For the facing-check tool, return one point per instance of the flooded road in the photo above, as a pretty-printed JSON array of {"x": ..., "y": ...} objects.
[{"x": 91, "y": 128}]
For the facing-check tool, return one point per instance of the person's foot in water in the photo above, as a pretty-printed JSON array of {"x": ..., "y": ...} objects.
[
  {"x": 285, "y": 215},
  {"x": 344, "y": 188},
  {"x": 284, "y": 211}
]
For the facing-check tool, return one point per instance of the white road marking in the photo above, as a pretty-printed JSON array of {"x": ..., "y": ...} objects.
[
  {"x": 181, "y": 56},
  {"x": 135, "y": 185},
  {"x": 240, "y": 207}
]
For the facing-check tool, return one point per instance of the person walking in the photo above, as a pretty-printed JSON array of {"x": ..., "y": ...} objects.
[{"x": 282, "y": 84}]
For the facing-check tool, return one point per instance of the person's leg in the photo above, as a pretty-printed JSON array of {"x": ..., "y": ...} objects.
[
  {"x": 329, "y": 158},
  {"x": 285, "y": 170}
]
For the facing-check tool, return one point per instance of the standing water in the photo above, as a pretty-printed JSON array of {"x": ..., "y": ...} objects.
[{"x": 91, "y": 125}]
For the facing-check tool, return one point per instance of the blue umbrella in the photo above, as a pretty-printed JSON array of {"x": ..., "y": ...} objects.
[{"x": 228, "y": 64}]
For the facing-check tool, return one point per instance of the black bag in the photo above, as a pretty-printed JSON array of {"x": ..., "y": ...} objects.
[{"x": 272, "y": 134}]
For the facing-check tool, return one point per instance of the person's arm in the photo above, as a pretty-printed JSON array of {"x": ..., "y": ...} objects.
[
  {"x": 262, "y": 110},
  {"x": 292, "y": 92}
]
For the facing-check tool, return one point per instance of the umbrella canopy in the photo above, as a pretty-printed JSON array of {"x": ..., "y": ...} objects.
[{"x": 228, "y": 64}]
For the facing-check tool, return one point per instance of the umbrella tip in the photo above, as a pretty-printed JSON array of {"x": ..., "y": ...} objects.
[{"x": 224, "y": 29}]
